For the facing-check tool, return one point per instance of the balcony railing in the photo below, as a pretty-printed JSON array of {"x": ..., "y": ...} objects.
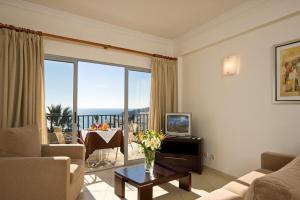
[{"x": 85, "y": 121}]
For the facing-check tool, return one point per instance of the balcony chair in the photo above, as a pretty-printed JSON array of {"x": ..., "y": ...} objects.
[
  {"x": 59, "y": 135},
  {"x": 31, "y": 171},
  {"x": 132, "y": 129}
]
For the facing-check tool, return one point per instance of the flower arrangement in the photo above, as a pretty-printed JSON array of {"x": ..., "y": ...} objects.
[{"x": 149, "y": 142}]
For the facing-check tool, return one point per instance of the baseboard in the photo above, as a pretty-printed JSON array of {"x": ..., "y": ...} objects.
[{"x": 220, "y": 172}]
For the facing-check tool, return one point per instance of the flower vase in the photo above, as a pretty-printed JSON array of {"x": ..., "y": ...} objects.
[{"x": 149, "y": 161}]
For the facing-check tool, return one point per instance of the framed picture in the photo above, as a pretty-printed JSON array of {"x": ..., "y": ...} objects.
[{"x": 287, "y": 72}]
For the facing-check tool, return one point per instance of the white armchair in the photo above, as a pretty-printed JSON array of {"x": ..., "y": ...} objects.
[{"x": 31, "y": 171}]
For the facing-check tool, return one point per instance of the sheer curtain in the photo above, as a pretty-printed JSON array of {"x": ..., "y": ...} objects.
[
  {"x": 163, "y": 91},
  {"x": 22, "y": 80}
]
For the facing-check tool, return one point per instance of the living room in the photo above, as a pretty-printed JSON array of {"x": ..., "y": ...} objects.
[{"x": 230, "y": 67}]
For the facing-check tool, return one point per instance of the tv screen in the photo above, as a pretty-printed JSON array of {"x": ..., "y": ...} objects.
[{"x": 178, "y": 124}]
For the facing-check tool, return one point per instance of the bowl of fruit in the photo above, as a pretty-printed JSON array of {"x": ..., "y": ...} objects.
[{"x": 104, "y": 127}]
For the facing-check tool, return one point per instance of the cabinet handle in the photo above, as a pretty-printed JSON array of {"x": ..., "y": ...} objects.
[{"x": 175, "y": 158}]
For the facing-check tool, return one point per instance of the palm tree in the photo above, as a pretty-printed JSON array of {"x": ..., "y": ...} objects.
[
  {"x": 66, "y": 119},
  {"x": 60, "y": 116}
]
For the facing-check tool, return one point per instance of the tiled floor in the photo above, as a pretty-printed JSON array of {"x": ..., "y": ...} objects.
[
  {"x": 108, "y": 157},
  {"x": 100, "y": 185}
]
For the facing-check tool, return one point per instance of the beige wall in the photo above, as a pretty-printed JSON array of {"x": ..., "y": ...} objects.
[
  {"x": 236, "y": 115},
  {"x": 25, "y": 14}
]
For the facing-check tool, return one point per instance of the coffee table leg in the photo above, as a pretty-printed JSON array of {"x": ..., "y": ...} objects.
[
  {"x": 186, "y": 182},
  {"x": 145, "y": 192},
  {"x": 119, "y": 186}
]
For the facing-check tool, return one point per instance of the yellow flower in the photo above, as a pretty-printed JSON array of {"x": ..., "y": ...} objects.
[
  {"x": 161, "y": 136},
  {"x": 140, "y": 137},
  {"x": 150, "y": 140}
]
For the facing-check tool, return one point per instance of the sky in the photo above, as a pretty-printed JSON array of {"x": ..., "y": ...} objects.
[{"x": 99, "y": 85}]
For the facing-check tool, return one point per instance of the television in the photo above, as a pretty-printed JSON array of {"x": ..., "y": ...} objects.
[{"x": 178, "y": 124}]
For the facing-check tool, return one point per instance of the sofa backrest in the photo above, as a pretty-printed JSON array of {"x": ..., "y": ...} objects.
[{"x": 21, "y": 142}]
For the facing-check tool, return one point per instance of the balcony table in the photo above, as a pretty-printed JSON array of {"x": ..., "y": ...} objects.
[{"x": 93, "y": 141}]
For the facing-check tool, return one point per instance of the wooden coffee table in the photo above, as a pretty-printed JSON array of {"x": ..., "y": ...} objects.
[{"x": 136, "y": 176}]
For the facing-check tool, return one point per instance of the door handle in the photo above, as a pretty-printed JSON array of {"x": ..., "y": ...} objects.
[{"x": 75, "y": 117}]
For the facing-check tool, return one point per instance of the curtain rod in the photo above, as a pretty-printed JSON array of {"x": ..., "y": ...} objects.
[{"x": 86, "y": 42}]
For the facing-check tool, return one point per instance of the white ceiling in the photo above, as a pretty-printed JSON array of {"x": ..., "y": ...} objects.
[{"x": 164, "y": 18}]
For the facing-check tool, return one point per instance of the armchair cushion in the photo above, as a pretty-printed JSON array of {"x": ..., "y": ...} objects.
[
  {"x": 76, "y": 168},
  {"x": 74, "y": 151},
  {"x": 22, "y": 141}
]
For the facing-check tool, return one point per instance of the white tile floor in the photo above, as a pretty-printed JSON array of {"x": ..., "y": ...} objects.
[
  {"x": 100, "y": 185},
  {"x": 110, "y": 155}
]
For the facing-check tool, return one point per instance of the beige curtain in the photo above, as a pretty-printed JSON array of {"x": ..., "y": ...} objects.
[
  {"x": 22, "y": 80},
  {"x": 163, "y": 91}
]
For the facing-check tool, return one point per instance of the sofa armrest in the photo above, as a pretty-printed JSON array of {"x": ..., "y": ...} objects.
[
  {"x": 34, "y": 177},
  {"x": 275, "y": 161},
  {"x": 74, "y": 151}
]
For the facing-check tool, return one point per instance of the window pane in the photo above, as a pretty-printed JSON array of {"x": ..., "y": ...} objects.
[
  {"x": 101, "y": 100},
  {"x": 138, "y": 108},
  {"x": 100, "y": 92},
  {"x": 59, "y": 100}
]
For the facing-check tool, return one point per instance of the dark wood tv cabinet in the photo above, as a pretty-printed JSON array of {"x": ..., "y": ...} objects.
[{"x": 182, "y": 152}]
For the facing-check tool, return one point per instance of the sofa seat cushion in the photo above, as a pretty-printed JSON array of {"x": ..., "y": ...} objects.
[
  {"x": 76, "y": 168},
  {"x": 241, "y": 185},
  {"x": 251, "y": 176},
  {"x": 22, "y": 142},
  {"x": 237, "y": 188},
  {"x": 282, "y": 184},
  {"x": 221, "y": 194}
]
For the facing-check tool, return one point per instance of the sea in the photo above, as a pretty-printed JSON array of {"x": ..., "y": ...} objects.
[
  {"x": 110, "y": 111},
  {"x": 100, "y": 111}
]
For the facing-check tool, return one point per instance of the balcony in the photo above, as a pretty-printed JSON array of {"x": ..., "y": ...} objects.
[
  {"x": 60, "y": 131},
  {"x": 85, "y": 121}
]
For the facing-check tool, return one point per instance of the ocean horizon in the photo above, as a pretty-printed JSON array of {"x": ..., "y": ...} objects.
[
  {"x": 106, "y": 111},
  {"x": 99, "y": 111}
]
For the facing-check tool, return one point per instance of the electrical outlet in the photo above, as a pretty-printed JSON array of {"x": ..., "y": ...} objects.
[{"x": 205, "y": 155}]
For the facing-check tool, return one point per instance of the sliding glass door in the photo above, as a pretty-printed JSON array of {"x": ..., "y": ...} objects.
[
  {"x": 101, "y": 101},
  {"x": 59, "y": 100},
  {"x": 80, "y": 94},
  {"x": 138, "y": 108}
]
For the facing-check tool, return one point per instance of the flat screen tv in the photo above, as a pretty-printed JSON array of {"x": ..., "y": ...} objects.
[{"x": 178, "y": 124}]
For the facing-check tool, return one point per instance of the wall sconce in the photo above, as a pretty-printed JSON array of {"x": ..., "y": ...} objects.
[{"x": 231, "y": 65}]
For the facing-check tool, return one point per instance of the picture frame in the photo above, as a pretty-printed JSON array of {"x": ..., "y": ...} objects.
[{"x": 287, "y": 72}]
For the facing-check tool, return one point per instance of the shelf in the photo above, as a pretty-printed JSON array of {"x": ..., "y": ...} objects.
[{"x": 181, "y": 151}]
